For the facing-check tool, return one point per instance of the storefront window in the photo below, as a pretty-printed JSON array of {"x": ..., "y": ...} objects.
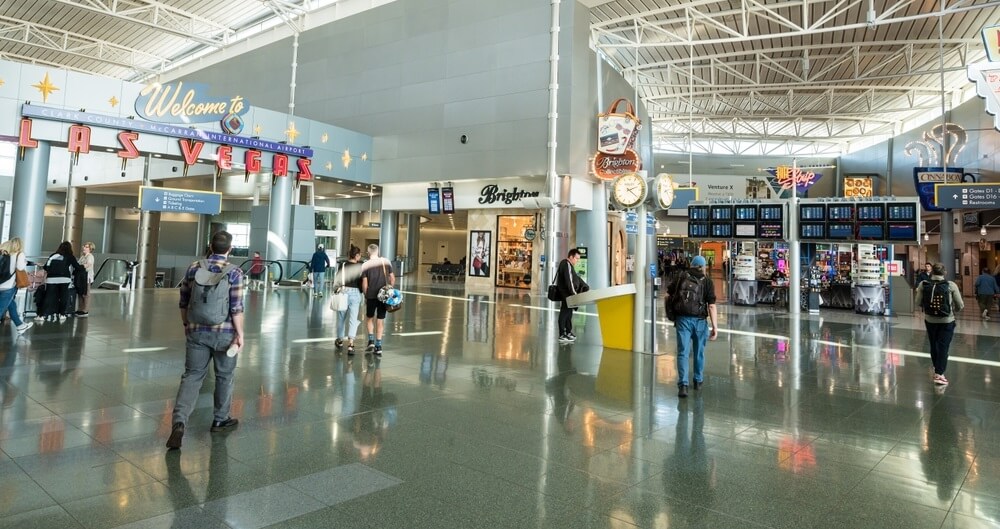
[{"x": 514, "y": 255}]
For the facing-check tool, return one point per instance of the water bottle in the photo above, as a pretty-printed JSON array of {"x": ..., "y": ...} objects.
[{"x": 233, "y": 350}]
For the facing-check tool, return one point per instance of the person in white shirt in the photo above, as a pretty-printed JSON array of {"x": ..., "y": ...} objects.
[
  {"x": 16, "y": 261},
  {"x": 87, "y": 262}
]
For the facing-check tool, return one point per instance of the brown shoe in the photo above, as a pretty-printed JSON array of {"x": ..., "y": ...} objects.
[{"x": 176, "y": 435}]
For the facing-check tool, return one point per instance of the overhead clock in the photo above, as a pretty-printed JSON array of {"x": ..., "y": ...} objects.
[
  {"x": 664, "y": 190},
  {"x": 629, "y": 190}
]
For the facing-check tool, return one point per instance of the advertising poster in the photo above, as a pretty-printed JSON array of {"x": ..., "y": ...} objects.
[{"x": 480, "y": 246}]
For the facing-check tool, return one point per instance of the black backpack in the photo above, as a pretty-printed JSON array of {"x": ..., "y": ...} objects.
[
  {"x": 689, "y": 296},
  {"x": 5, "y": 273},
  {"x": 936, "y": 299}
]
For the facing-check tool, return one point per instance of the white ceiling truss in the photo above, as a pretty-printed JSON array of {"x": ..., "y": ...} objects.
[
  {"x": 74, "y": 44},
  {"x": 762, "y": 76},
  {"x": 161, "y": 17}
]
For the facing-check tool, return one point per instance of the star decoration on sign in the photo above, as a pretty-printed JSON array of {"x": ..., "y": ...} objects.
[
  {"x": 329, "y": 166},
  {"x": 364, "y": 157},
  {"x": 1, "y": 82},
  {"x": 256, "y": 129},
  {"x": 324, "y": 137},
  {"x": 113, "y": 101},
  {"x": 292, "y": 133},
  {"x": 46, "y": 87},
  {"x": 346, "y": 158}
]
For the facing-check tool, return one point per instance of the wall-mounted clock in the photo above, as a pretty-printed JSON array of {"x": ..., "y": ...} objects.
[
  {"x": 663, "y": 190},
  {"x": 629, "y": 190}
]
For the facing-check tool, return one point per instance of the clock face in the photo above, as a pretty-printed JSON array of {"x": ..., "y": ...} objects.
[
  {"x": 665, "y": 190},
  {"x": 629, "y": 190}
]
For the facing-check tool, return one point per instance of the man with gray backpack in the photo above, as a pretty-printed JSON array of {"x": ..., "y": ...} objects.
[
  {"x": 940, "y": 299},
  {"x": 690, "y": 300},
  {"x": 212, "y": 313}
]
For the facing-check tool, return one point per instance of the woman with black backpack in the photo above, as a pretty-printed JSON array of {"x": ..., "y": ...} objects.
[
  {"x": 940, "y": 300},
  {"x": 59, "y": 270}
]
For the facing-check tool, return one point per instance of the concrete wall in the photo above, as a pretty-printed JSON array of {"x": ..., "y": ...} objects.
[{"x": 419, "y": 74}]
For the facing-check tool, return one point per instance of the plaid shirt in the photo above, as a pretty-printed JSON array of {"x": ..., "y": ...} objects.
[{"x": 216, "y": 262}]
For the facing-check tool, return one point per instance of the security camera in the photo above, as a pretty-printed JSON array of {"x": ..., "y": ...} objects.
[
  {"x": 123, "y": 174},
  {"x": 464, "y": 139},
  {"x": 174, "y": 168}
]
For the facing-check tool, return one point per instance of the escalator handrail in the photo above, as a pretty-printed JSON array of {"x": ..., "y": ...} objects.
[
  {"x": 105, "y": 262},
  {"x": 305, "y": 266},
  {"x": 245, "y": 267}
]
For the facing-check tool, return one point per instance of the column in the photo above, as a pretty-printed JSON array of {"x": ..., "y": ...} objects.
[
  {"x": 28, "y": 206},
  {"x": 148, "y": 246},
  {"x": 201, "y": 235},
  {"x": 76, "y": 201},
  {"x": 947, "y": 247},
  {"x": 108, "y": 231},
  {"x": 592, "y": 232},
  {"x": 557, "y": 227},
  {"x": 279, "y": 221},
  {"x": 387, "y": 235},
  {"x": 413, "y": 241}
]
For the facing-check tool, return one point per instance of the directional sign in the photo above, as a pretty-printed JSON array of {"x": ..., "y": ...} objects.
[
  {"x": 965, "y": 196},
  {"x": 631, "y": 217},
  {"x": 179, "y": 200},
  {"x": 632, "y": 229}
]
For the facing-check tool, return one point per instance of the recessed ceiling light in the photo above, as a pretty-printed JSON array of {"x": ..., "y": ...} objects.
[
  {"x": 357, "y": 185},
  {"x": 340, "y": 181}
]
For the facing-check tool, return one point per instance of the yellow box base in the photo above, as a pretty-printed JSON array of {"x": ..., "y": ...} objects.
[{"x": 616, "y": 315}]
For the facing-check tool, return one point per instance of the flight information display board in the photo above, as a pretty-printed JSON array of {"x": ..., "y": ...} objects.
[{"x": 737, "y": 220}]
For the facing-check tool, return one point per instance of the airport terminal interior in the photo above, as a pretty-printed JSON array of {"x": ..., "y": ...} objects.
[{"x": 814, "y": 154}]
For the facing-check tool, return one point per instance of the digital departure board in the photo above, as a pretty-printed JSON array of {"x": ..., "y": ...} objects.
[
  {"x": 812, "y": 231},
  {"x": 698, "y": 213},
  {"x": 745, "y": 230},
  {"x": 721, "y": 212},
  {"x": 771, "y": 211},
  {"x": 901, "y": 231},
  {"x": 840, "y": 212},
  {"x": 698, "y": 230},
  {"x": 745, "y": 212},
  {"x": 840, "y": 231},
  {"x": 772, "y": 231},
  {"x": 904, "y": 212},
  {"x": 871, "y": 212},
  {"x": 812, "y": 212}
]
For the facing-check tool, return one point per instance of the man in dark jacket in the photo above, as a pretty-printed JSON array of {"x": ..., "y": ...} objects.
[
  {"x": 569, "y": 284},
  {"x": 320, "y": 262}
]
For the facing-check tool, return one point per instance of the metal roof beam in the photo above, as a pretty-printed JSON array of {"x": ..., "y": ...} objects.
[
  {"x": 61, "y": 41},
  {"x": 770, "y": 13},
  {"x": 161, "y": 17}
]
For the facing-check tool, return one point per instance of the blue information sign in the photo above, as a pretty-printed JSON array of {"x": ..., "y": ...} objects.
[
  {"x": 967, "y": 196},
  {"x": 179, "y": 200},
  {"x": 652, "y": 270},
  {"x": 632, "y": 229},
  {"x": 433, "y": 200}
]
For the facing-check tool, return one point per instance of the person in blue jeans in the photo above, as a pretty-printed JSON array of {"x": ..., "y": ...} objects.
[
  {"x": 348, "y": 279},
  {"x": 320, "y": 262},
  {"x": 691, "y": 296}
]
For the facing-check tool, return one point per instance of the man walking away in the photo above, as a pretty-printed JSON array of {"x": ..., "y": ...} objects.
[
  {"x": 569, "y": 284},
  {"x": 986, "y": 290},
  {"x": 320, "y": 262},
  {"x": 940, "y": 299},
  {"x": 212, "y": 313},
  {"x": 692, "y": 298},
  {"x": 375, "y": 274}
]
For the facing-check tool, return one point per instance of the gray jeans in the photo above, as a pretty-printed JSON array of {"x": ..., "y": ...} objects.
[{"x": 203, "y": 347}]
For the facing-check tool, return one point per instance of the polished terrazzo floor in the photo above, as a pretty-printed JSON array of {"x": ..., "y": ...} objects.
[{"x": 475, "y": 417}]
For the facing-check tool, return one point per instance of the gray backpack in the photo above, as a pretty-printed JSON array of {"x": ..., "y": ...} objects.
[{"x": 209, "y": 304}]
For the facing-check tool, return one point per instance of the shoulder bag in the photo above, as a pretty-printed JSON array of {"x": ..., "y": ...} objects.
[
  {"x": 338, "y": 301},
  {"x": 553, "y": 294}
]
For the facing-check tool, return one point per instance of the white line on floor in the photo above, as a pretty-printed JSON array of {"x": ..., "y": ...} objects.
[
  {"x": 143, "y": 349},
  {"x": 314, "y": 340},
  {"x": 424, "y": 333}
]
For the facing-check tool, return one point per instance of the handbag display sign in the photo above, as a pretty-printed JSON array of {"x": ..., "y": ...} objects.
[{"x": 616, "y": 131}]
